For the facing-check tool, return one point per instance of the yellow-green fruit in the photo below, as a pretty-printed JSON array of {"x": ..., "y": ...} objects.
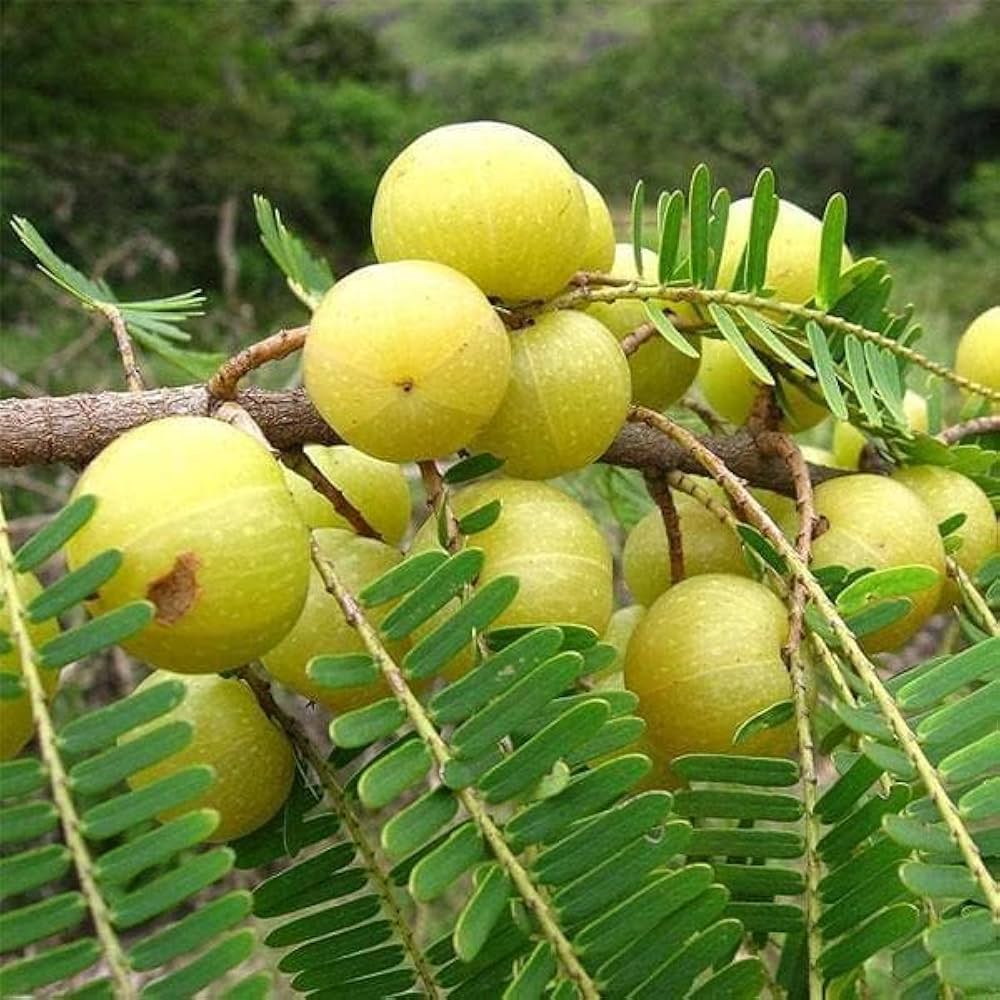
[
  {"x": 406, "y": 361},
  {"x": 376, "y": 489},
  {"x": 251, "y": 756},
  {"x": 567, "y": 397},
  {"x": 731, "y": 388},
  {"x": 879, "y": 523},
  {"x": 16, "y": 722},
  {"x": 978, "y": 356},
  {"x": 946, "y": 493},
  {"x": 549, "y": 542},
  {"x": 709, "y": 546},
  {"x": 660, "y": 373},
  {"x": 209, "y": 533},
  {"x": 599, "y": 252},
  {"x": 793, "y": 252},
  {"x": 322, "y": 629},
  {"x": 706, "y": 657},
  {"x": 849, "y": 442},
  {"x": 492, "y": 201},
  {"x": 618, "y": 633}
]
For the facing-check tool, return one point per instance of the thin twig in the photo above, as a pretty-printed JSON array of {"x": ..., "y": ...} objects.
[
  {"x": 979, "y": 425},
  {"x": 298, "y": 461},
  {"x": 661, "y": 494},
  {"x": 439, "y": 503},
  {"x": 705, "y": 414},
  {"x": 307, "y": 750},
  {"x": 631, "y": 342},
  {"x": 533, "y": 896},
  {"x": 973, "y": 599},
  {"x": 222, "y": 385},
  {"x": 852, "y": 650},
  {"x": 133, "y": 377},
  {"x": 111, "y": 948}
]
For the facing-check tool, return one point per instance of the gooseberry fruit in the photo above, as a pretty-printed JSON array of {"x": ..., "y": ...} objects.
[
  {"x": 660, "y": 373},
  {"x": 251, "y": 756},
  {"x": 793, "y": 251},
  {"x": 709, "y": 546},
  {"x": 849, "y": 442},
  {"x": 16, "y": 720},
  {"x": 731, "y": 388},
  {"x": 406, "y": 361},
  {"x": 704, "y": 659},
  {"x": 567, "y": 397},
  {"x": 945, "y": 493},
  {"x": 978, "y": 356},
  {"x": 376, "y": 489},
  {"x": 618, "y": 633},
  {"x": 877, "y": 522},
  {"x": 599, "y": 252},
  {"x": 549, "y": 542},
  {"x": 491, "y": 200},
  {"x": 208, "y": 532},
  {"x": 322, "y": 629}
]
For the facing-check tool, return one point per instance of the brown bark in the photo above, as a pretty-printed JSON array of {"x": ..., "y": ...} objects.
[{"x": 73, "y": 429}]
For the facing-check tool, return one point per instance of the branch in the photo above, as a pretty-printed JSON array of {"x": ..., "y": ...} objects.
[
  {"x": 980, "y": 425},
  {"x": 660, "y": 492},
  {"x": 222, "y": 385},
  {"x": 73, "y": 429},
  {"x": 133, "y": 377}
]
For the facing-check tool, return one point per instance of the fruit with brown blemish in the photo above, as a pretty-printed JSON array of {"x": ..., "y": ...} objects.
[
  {"x": 251, "y": 757},
  {"x": 567, "y": 397},
  {"x": 406, "y": 361},
  {"x": 208, "y": 532}
]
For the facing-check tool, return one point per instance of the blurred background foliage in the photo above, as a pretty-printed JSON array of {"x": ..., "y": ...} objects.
[{"x": 134, "y": 134}]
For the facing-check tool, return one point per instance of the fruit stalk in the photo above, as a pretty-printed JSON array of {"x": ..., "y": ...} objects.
[
  {"x": 660, "y": 492},
  {"x": 222, "y": 385},
  {"x": 112, "y": 952}
]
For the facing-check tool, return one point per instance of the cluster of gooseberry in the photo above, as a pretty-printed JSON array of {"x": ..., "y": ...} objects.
[{"x": 409, "y": 359}]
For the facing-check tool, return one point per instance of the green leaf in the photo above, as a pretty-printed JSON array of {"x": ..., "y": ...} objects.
[
  {"x": 481, "y": 518},
  {"x": 973, "y": 931},
  {"x": 831, "y": 249},
  {"x": 473, "y": 467},
  {"x": 951, "y": 524},
  {"x": 11, "y": 686},
  {"x": 75, "y": 587},
  {"x": 284, "y": 892},
  {"x": 768, "y": 718},
  {"x": 481, "y": 914},
  {"x": 981, "y": 803},
  {"x": 979, "y": 662},
  {"x": 23, "y": 978},
  {"x": 666, "y": 329},
  {"x": 638, "y": 209},
  {"x": 103, "y": 726},
  {"x": 956, "y": 718},
  {"x": 55, "y": 534},
  {"x": 737, "y": 803},
  {"x": 759, "y": 881},
  {"x": 973, "y": 760},
  {"x": 670, "y": 236},
  {"x": 825, "y": 370},
  {"x": 885, "y": 375},
  {"x": 433, "y": 594},
  {"x": 108, "y": 819},
  {"x": 579, "y": 637},
  {"x": 758, "y": 544},
  {"x": 744, "y": 978},
  {"x": 205, "y": 969},
  {"x": 30, "y": 869},
  {"x": 21, "y": 777},
  {"x": 734, "y": 337},
  {"x": 764, "y": 771},
  {"x": 358, "y": 938},
  {"x": 837, "y": 843},
  {"x": 763, "y": 214},
  {"x": 309, "y": 277},
  {"x": 435, "y": 650},
  {"x": 857, "y": 365},
  {"x": 438, "y": 870},
  {"x": 190, "y": 932},
  {"x": 878, "y": 616},
  {"x": 753, "y": 843},
  {"x": 403, "y": 578},
  {"x": 717, "y": 234},
  {"x": 875, "y": 862},
  {"x": 321, "y": 923},
  {"x": 532, "y": 976},
  {"x": 772, "y": 341},
  {"x": 366, "y": 725},
  {"x": 37, "y": 921},
  {"x": 389, "y": 776},
  {"x": 837, "y": 800},
  {"x": 881, "y": 585},
  {"x": 971, "y": 972},
  {"x": 343, "y": 670},
  {"x": 97, "y": 634},
  {"x": 710, "y": 947},
  {"x": 614, "y": 735},
  {"x": 414, "y": 826},
  {"x": 27, "y": 821},
  {"x": 698, "y": 221}
]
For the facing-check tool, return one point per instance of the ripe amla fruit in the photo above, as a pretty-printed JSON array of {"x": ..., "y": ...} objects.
[
  {"x": 406, "y": 361},
  {"x": 567, "y": 397},
  {"x": 731, "y": 388},
  {"x": 793, "y": 251},
  {"x": 660, "y": 373},
  {"x": 376, "y": 489},
  {"x": 16, "y": 721},
  {"x": 849, "y": 442},
  {"x": 945, "y": 493},
  {"x": 599, "y": 252},
  {"x": 549, "y": 542},
  {"x": 877, "y": 522},
  {"x": 709, "y": 546},
  {"x": 978, "y": 356},
  {"x": 704, "y": 659},
  {"x": 252, "y": 758},
  {"x": 209, "y": 533},
  {"x": 321, "y": 628},
  {"x": 491, "y": 200}
]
